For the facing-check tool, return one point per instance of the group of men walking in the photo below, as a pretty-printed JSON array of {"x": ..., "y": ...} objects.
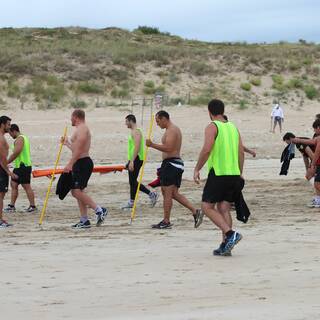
[
  {"x": 222, "y": 151},
  {"x": 21, "y": 174},
  {"x": 310, "y": 151}
]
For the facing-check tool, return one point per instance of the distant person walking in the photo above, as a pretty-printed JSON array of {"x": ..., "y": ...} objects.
[{"x": 276, "y": 117}]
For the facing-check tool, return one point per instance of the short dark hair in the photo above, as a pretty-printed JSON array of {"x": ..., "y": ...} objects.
[
  {"x": 316, "y": 124},
  {"x": 163, "y": 114},
  {"x": 288, "y": 136},
  {"x": 216, "y": 107},
  {"x": 225, "y": 117},
  {"x": 317, "y": 116},
  {"x": 14, "y": 127},
  {"x": 131, "y": 117},
  {"x": 4, "y": 120},
  {"x": 80, "y": 114}
]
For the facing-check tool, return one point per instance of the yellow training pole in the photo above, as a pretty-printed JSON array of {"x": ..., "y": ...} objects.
[
  {"x": 52, "y": 177},
  {"x": 133, "y": 212}
]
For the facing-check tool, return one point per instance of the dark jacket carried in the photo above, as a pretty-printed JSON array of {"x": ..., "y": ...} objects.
[
  {"x": 242, "y": 210},
  {"x": 286, "y": 156},
  {"x": 64, "y": 185}
]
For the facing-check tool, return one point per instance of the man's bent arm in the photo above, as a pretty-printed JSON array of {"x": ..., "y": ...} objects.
[
  {"x": 316, "y": 155},
  {"x": 168, "y": 146},
  {"x": 68, "y": 144},
  {"x": 241, "y": 154},
  {"x": 304, "y": 141},
  {"x": 3, "y": 160}
]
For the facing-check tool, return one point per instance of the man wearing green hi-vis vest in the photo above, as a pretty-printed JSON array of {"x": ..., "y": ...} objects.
[
  {"x": 21, "y": 158},
  {"x": 136, "y": 153},
  {"x": 224, "y": 154}
]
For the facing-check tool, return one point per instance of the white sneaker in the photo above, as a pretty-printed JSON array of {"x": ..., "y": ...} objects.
[
  {"x": 31, "y": 209},
  {"x": 4, "y": 224},
  {"x": 314, "y": 204},
  {"x": 128, "y": 205},
  {"x": 153, "y": 198},
  {"x": 9, "y": 209}
]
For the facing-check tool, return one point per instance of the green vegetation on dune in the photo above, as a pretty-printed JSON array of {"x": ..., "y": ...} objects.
[{"x": 62, "y": 63}]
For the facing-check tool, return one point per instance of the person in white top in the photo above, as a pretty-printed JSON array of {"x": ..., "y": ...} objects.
[{"x": 277, "y": 117}]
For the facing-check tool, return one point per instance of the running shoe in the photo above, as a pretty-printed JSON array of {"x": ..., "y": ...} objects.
[
  {"x": 231, "y": 241},
  {"x": 82, "y": 225},
  {"x": 10, "y": 209},
  {"x": 162, "y": 225},
  {"x": 198, "y": 218},
  {"x": 314, "y": 204},
  {"x": 101, "y": 216},
  {"x": 4, "y": 224},
  {"x": 31, "y": 209},
  {"x": 128, "y": 205},
  {"x": 153, "y": 199},
  {"x": 220, "y": 250}
]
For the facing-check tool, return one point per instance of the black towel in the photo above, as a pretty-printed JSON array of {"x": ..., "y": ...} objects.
[
  {"x": 286, "y": 156},
  {"x": 242, "y": 210},
  {"x": 64, "y": 185}
]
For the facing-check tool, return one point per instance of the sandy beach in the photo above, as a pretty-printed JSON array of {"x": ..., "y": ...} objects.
[{"x": 123, "y": 271}]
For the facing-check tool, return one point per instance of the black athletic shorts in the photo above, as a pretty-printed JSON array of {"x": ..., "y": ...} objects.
[
  {"x": 317, "y": 175},
  {"x": 81, "y": 172},
  {"x": 4, "y": 180},
  {"x": 171, "y": 172},
  {"x": 277, "y": 119},
  {"x": 23, "y": 173},
  {"x": 221, "y": 188}
]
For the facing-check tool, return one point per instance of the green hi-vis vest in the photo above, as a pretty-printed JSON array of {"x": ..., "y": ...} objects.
[
  {"x": 24, "y": 157},
  {"x": 131, "y": 147},
  {"x": 224, "y": 156}
]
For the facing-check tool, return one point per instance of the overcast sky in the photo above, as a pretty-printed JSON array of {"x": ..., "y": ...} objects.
[{"x": 211, "y": 20}]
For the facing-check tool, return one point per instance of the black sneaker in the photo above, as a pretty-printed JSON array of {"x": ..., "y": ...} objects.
[
  {"x": 101, "y": 216},
  {"x": 31, "y": 209},
  {"x": 231, "y": 242},
  {"x": 198, "y": 218},
  {"x": 10, "y": 209},
  {"x": 82, "y": 225},
  {"x": 162, "y": 225},
  {"x": 4, "y": 224},
  {"x": 221, "y": 250}
]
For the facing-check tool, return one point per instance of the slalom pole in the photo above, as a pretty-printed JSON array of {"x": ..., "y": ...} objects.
[
  {"x": 133, "y": 212},
  {"x": 52, "y": 178}
]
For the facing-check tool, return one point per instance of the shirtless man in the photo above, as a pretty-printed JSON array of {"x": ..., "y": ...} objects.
[
  {"x": 81, "y": 167},
  {"x": 171, "y": 170},
  {"x": 305, "y": 150},
  {"x": 4, "y": 170},
  {"x": 314, "y": 167}
]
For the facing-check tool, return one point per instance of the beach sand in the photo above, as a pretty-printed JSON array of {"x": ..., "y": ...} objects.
[{"x": 123, "y": 271}]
